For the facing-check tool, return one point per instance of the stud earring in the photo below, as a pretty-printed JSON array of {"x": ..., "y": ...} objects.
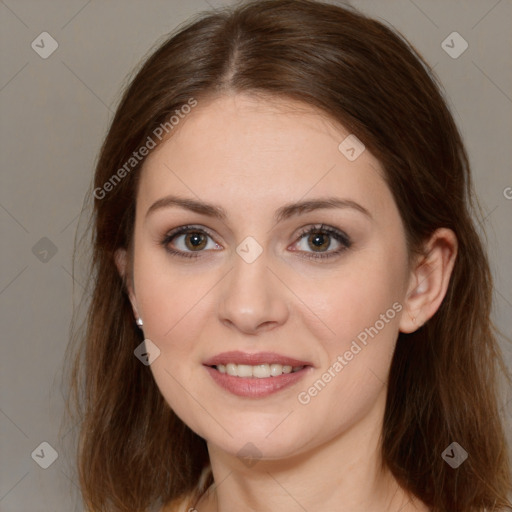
[{"x": 139, "y": 322}]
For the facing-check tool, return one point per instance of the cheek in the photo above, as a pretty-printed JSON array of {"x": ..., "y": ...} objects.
[
  {"x": 361, "y": 304},
  {"x": 174, "y": 308},
  {"x": 359, "y": 295},
  {"x": 169, "y": 298},
  {"x": 363, "y": 309}
]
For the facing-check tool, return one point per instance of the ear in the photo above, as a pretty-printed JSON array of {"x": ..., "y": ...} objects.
[
  {"x": 121, "y": 260},
  {"x": 429, "y": 280}
]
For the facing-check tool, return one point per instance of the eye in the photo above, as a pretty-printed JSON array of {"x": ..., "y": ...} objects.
[
  {"x": 320, "y": 239},
  {"x": 189, "y": 241}
]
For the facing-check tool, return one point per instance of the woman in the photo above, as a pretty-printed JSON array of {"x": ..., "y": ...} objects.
[{"x": 290, "y": 305}]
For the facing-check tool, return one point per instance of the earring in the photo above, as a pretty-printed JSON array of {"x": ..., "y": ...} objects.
[{"x": 139, "y": 322}]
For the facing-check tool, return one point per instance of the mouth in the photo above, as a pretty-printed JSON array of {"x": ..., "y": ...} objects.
[{"x": 255, "y": 375}]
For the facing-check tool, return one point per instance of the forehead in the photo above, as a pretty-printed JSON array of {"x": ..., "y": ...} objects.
[{"x": 253, "y": 151}]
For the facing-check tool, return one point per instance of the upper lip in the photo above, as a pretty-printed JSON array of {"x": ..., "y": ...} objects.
[{"x": 237, "y": 357}]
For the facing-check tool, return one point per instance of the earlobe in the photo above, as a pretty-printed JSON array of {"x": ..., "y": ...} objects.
[{"x": 429, "y": 280}]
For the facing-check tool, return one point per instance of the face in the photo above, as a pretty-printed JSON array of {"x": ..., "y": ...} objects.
[{"x": 252, "y": 285}]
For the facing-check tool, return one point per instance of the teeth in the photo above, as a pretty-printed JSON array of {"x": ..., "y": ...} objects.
[
  {"x": 260, "y": 371},
  {"x": 243, "y": 370},
  {"x": 231, "y": 369},
  {"x": 276, "y": 369}
]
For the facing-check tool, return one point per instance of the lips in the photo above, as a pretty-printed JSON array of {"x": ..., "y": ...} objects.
[{"x": 286, "y": 371}]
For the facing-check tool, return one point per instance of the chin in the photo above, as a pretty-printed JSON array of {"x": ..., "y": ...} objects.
[{"x": 252, "y": 444}]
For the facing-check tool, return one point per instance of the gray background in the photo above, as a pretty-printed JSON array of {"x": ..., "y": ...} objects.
[{"x": 54, "y": 115}]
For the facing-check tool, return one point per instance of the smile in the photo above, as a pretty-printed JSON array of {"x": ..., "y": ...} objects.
[{"x": 255, "y": 375}]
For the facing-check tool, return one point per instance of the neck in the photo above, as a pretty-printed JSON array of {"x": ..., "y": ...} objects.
[{"x": 345, "y": 474}]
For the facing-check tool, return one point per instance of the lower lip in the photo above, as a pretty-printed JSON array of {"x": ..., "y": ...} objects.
[{"x": 253, "y": 387}]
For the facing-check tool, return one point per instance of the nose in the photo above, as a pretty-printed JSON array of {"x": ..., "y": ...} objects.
[{"x": 252, "y": 298}]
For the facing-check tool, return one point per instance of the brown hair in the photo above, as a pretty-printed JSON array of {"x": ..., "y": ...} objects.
[{"x": 443, "y": 384}]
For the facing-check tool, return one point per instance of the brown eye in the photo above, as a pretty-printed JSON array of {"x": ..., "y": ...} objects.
[
  {"x": 189, "y": 242},
  {"x": 319, "y": 241},
  {"x": 195, "y": 241},
  {"x": 316, "y": 242}
]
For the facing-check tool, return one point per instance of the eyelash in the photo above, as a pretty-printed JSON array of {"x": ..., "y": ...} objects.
[{"x": 336, "y": 234}]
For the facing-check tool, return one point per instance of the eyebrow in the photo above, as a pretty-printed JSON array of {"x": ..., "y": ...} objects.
[{"x": 281, "y": 214}]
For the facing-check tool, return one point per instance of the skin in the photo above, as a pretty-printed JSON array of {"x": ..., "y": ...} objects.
[{"x": 251, "y": 156}]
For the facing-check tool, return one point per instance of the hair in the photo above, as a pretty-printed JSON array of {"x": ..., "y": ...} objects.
[{"x": 133, "y": 451}]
